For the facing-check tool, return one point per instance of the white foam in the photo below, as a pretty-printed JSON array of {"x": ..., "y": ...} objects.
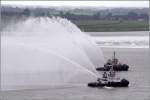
[{"x": 123, "y": 41}]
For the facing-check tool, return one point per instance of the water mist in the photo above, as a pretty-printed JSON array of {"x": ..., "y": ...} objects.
[{"x": 46, "y": 51}]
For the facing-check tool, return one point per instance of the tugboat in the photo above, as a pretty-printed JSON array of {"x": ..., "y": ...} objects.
[
  {"x": 116, "y": 65},
  {"x": 109, "y": 80}
]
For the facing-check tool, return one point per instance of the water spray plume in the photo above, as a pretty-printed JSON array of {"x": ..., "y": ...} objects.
[{"x": 47, "y": 51}]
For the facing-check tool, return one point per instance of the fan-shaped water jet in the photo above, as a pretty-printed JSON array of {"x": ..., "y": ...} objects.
[{"x": 49, "y": 51}]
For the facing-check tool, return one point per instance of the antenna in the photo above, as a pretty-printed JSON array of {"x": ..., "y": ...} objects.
[{"x": 114, "y": 54}]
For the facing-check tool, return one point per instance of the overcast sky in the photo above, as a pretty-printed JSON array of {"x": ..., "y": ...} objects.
[{"x": 80, "y": 3}]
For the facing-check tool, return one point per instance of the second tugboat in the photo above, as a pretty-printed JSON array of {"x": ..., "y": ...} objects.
[
  {"x": 116, "y": 65},
  {"x": 109, "y": 80}
]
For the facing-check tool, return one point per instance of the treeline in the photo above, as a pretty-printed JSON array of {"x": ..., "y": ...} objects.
[
  {"x": 98, "y": 16},
  {"x": 80, "y": 13},
  {"x": 88, "y": 19}
]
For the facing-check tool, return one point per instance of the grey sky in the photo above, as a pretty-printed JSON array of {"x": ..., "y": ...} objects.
[{"x": 80, "y": 3}]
